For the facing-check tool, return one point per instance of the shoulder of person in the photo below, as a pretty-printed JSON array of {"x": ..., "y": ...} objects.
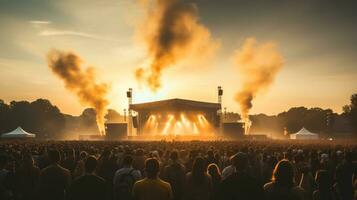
[
  {"x": 66, "y": 171},
  {"x": 46, "y": 169},
  {"x": 136, "y": 172},
  {"x": 100, "y": 179},
  {"x": 140, "y": 182},
  {"x": 118, "y": 171},
  {"x": 268, "y": 186},
  {"x": 227, "y": 168},
  {"x": 166, "y": 184}
]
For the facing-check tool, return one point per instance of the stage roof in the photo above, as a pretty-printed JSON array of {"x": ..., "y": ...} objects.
[{"x": 174, "y": 105}]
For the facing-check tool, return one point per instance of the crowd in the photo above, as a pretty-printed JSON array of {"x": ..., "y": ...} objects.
[{"x": 196, "y": 170}]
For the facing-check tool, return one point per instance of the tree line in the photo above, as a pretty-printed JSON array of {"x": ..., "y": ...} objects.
[
  {"x": 318, "y": 120},
  {"x": 47, "y": 121}
]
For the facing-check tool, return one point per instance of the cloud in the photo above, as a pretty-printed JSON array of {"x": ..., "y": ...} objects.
[
  {"x": 74, "y": 33},
  {"x": 39, "y": 22},
  {"x": 58, "y": 32}
]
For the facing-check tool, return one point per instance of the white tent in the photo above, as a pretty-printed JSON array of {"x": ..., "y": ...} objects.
[
  {"x": 18, "y": 133},
  {"x": 304, "y": 134}
]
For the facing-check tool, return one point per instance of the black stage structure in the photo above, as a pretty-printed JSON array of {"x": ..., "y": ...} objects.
[{"x": 159, "y": 113}]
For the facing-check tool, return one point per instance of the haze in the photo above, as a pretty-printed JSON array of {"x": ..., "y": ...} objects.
[{"x": 317, "y": 40}]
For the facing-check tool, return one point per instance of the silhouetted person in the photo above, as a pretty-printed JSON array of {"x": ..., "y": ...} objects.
[
  {"x": 139, "y": 160},
  {"x": 152, "y": 187},
  {"x": 54, "y": 179},
  {"x": 27, "y": 177},
  {"x": 344, "y": 174},
  {"x": 89, "y": 186},
  {"x": 198, "y": 184},
  {"x": 79, "y": 170},
  {"x": 174, "y": 173},
  {"x": 69, "y": 161},
  {"x": 324, "y": 187},
  {"x": 213, "y": 171},
  {"x": 230, "y": 169},
  {"x": 5, "y": 193},
  {"x": 282, "y": 186},
  {"x": 125, "y": 178},
  {"x": 106, "y": 165},
  {"x": 240, "y": 185}
]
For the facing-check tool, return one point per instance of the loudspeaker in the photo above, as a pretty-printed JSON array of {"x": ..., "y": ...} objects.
[
  {"x": 115, "y": 131},
  {"x": 128, "y": 94},
  {"x": 135, "y": 121},
  {"x": 233, "y": 130}
]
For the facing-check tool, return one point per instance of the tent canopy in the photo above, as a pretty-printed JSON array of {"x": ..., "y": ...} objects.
[
  {"x": 304, "y": 134},
  {"x": 18, "y": 133}
]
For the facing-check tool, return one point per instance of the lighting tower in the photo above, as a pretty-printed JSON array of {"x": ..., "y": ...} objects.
[
  {"x": 129, "y": 94},
  {"x": 220, "y": 93}
]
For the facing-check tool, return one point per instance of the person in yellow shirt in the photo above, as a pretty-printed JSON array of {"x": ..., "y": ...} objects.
[{"x": 152, "y": 187}]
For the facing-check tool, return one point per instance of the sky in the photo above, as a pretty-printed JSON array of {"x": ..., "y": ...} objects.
[{"x": 316, "y": 38}]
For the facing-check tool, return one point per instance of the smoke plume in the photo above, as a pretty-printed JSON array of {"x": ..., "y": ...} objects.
[
  {"x": 258, "y": 65},
  {"x": 171, "y": 31},
  {"x": 68, "y": 67}
]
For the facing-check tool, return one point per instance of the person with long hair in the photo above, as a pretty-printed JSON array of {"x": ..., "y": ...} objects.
[
  {"x": 282, "y": 185},
  {"x": 198, "y": 182},
  {"x": 214, "y": 172},
  {"x": 28, "y": 175},
  {"x": 324, "y": 187}
]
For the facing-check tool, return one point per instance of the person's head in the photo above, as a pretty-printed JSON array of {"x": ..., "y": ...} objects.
[
  {"x": 128, "y": 160},
  {"x": 90, "y": 164},
  {"x": 323, "y": 180},
  {"x": 83, "y": 155},
  {"x": 152, "y": 167},
  {"x": 240, "y": 161},
  {"x": 54, "y": 156},
  {"x": 174, "y": 156},
  {"x": 283, "y": 173},
  {"x": 213, "y": 170}
]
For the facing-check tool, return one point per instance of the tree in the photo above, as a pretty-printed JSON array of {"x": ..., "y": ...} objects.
[
  {"x": 113, "y": 116},
  {"x": 39, "y": 117},
  {"x": 88, "y": 121},
  {"x": 351, "y": 111},
  {"x": 315, "y": 119},
  {"x": 49, "y": 121},
  {"x": 4, "y": 111}
]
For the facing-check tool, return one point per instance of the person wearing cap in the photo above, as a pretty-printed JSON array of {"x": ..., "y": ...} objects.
[
  {"x": 240, "y": 185},
  {"x": 152, "y": 187}
]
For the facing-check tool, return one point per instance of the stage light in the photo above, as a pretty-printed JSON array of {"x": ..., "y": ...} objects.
[{"x": 195, "y": 129}]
